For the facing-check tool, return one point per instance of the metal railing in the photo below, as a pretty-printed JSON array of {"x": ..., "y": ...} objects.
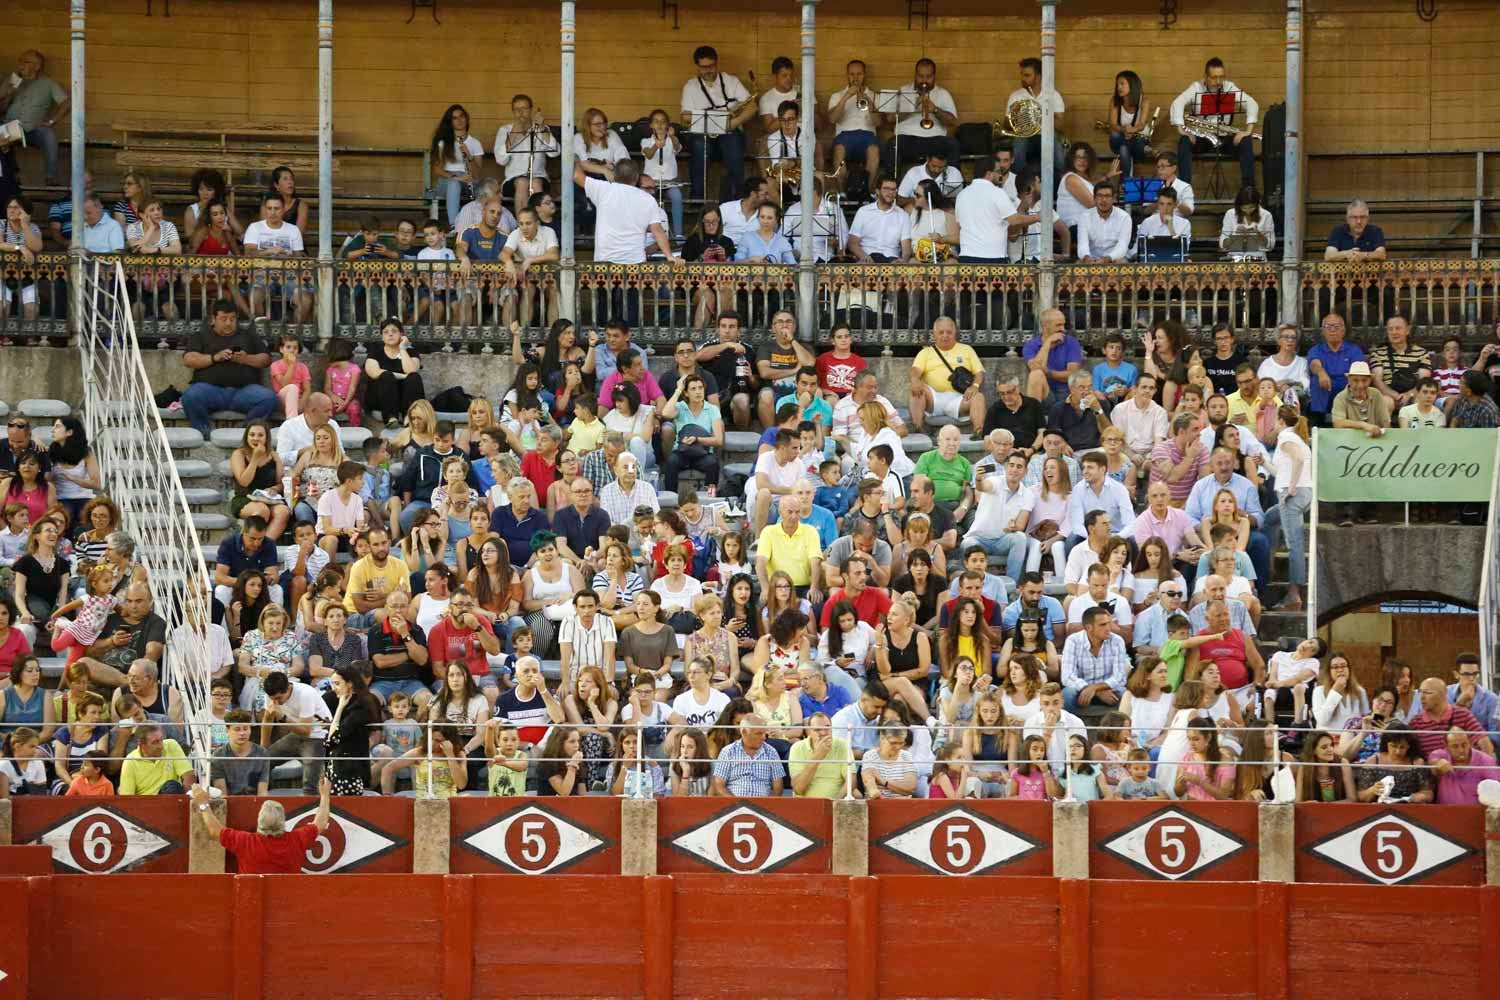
[{"x": 887, "y": 305}]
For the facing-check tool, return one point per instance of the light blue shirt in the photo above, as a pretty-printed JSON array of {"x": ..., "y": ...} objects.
[
  {"x": 1201, "y": 501},
  {"x": 1242, "y": 565},
  {"x": 850, "y": 725},
  {"x": 704, "y": 419},
  {"x": 1107, "y": 378},
  {"x": 994, "y": 587},
  {"x": 819, "y": 412},
  {"x": 822, "y": 518},
  {"x": 777, "y": 249},
  {"x": 1081, "y": 666},
  {"x": 606, "y": 364},
  {"x": 1049, "y": 606},
  {"x": 1151, "y": 626},
  {"x": 1483, "y": 709},
  {"x": 104, "y": 236},
  {"x": 1112, "y": 497}
]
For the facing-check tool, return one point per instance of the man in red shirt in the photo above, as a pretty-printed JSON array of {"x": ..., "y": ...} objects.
[
  {"x": 971, "y": 585},
  {"x": 870, "y": 603},
  {"x": 1431, "y": 725},
  {"x": 271, "y": 849},
  {"x": 462, "y": 635}
]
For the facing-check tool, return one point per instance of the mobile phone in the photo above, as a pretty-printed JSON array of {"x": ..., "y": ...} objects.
[{"x": 1377, "y": 717}]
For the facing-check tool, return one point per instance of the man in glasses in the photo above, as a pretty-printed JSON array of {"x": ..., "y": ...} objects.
[
  {"x": 18, "y": 445},
  {"x": 1328, "y": 368},
  {"x": 1150, "y": 633},
  {"x": 1468, "y": 693}
]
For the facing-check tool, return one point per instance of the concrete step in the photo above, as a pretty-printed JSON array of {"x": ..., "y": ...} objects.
[
  {"x": 44, "y": 409},
  {"x": 179, "y": 439},
  {"x": 203, "y": 496},
  {"x": 229, "y": 438}
]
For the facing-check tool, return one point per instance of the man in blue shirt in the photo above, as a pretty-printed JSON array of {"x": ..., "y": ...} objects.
[
  {"x": 1355, "y": 239},
  {"x": 859, "y": 724},
  {"x": 1114, "y": 376},
  {"x": 810, "y": 403},
  {"x": 580, "y": 526},
  {"x": 1097, "y": 492},
  {"x": 1221, "y": 476},
  {"x": 250, "y": 549},
  {"x": 819, "y": 517},
  {"x": 1328, "y": 367},
  {"x": 817, "y": 695},
  {"x": 1051, "y": 356},
  {"x": 1031, "y": 599},
  {"x": 607, "y": 352}
]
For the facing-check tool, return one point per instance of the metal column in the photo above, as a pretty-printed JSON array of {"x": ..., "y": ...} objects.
[
  {"x": 1047, "y": 277},
  {"x": 325, "y": 170},
  {"x": 1291, "y": 243},
  {"x": 77, "y": 150},
  {"x": 567, "y": 277},
  {"x": 807, "y": 278}
]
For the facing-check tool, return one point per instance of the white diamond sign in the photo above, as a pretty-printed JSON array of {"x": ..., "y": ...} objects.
[
  {"x": 346, "y": 843},
  {"x": 100, "y": 841},
  {"x": 958, "y": 841},
  {"x": 1389, "y": 849},
  {"x": 745, "y": 840},
  {"x": 1173, "y": 844},
  {"x": 533, "y": 841}
]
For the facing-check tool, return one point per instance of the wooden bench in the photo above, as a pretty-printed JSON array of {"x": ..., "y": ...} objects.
[{"x": 258, "y": 145}]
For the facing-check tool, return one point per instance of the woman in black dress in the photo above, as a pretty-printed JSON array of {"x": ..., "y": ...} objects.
[{"x": 348, "y": 741}]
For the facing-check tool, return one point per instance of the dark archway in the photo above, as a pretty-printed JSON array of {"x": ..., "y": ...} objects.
[{"x": 1357, "y": 566}]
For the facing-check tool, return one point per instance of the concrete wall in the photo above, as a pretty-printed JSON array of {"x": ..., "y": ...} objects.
[{"x": 1356, "y": 565}]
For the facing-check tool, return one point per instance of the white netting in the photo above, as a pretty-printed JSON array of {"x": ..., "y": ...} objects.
[{"x": 135, "y": 462}]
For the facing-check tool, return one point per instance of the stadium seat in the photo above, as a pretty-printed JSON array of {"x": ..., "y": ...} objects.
[
  {"x": 736, "y": 442},
  {"x": 44, "y": 409}
]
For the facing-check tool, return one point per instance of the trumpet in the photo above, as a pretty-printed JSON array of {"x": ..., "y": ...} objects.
[
  {"x": 1202, "y": 127},
  {"x": 538, "y": 122},
  {"x": 927, "y": 122},
  {"x": 862, "y": 102}
]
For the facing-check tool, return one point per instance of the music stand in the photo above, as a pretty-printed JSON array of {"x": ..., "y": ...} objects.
[
  {"x": 793, "y": 228},
  {"x": 1140, "y": 190},
  {"x": 701, "y": 130},
  {"x": 1223, "y": 103},
  {"x": 1161, "y": 249},
  {"x": 895, "y": 102},
  {"x": 1246, "y": 244}
]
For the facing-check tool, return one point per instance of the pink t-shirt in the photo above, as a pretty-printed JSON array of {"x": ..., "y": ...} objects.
[
  {"x": 15, "y": 644},
  {"x": 1030, "y": 786},
  {"x": 337, "y": 513},
  {"x": 300, "y": 376}
]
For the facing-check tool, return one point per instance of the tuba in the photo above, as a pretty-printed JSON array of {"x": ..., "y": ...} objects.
[{"x": 1023, "y": 119}]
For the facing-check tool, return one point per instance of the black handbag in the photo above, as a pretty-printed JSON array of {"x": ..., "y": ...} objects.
[{"x": 960, "y": 378}]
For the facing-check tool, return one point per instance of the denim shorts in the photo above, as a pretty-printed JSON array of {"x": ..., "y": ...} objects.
[{"x": 384, "y": 689}]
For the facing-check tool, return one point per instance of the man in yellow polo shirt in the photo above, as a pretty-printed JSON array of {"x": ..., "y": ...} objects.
[
  {"x": 1244, "y": 402},
  {"x": 819, "y": 763},
  {"x": 372, "y": 578},
  {"x": 933, "y": 371},
  {"x": 793, "y": 548},
  {"x": 157, "y": 766}
]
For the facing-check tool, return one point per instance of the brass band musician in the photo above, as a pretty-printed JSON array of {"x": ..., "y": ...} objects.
[{"x": 1238, "y": 139}]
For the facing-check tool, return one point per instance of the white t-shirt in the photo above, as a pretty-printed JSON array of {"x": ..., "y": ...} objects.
[
  {"x": 1022, "y": 94},
  {"x": 661, "y": 161},
  {"x": 526, "y": 249},
  {"x": 1084, "y": 601},
  {"x": 982, "y": 209},
  {"x": 304, "y": 703},
  {"x": 998, "y": 508},
  {"x": 949, "y": 180},
  {"x": 285, "y": 237},
  {"x": 677, "y": 600},
  {"x": 1294, "y": 373},
  {"x": 736, "y": 222},
  {"x": 455, "y": 164},
  {"x": 529, "y": 156},
  {"x": 630, "y": 426},
  {"x": 912, "y": 124},
  {"x": 785, "y": 476},
  {"x": 716, "y": 97},
  {"x": 1079, "y": 561},
  {"x": 694, "y": 714},
  {"x": 853, "y": 119},
  {"x": 610, "y": 151},
  {"x": 1282, "y": 461},
  {"x": 625, "y": 213},
  {"x": 771, "y": 100}
]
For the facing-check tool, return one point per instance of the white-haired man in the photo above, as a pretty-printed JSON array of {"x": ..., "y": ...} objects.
[{"x": 271, "y": 849}]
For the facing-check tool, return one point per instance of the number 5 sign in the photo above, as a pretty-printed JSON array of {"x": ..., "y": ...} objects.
[
  {"x": 972, "y": 838},
  {"x": 1179, "y": 842},
  {"x": 750, "y": 838},
  {"x": 1390, "y": 846}
]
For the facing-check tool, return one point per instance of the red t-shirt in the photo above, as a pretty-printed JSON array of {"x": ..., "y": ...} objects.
[
  {"x": 541, "y": 473},
  {"x": 870, "y": 606},
  {"x": 258, "y": 854},
  {"x": 836, "y": 375},
  {"x": 446, "y": 643},
  {"x": 1229, "y": 654}
]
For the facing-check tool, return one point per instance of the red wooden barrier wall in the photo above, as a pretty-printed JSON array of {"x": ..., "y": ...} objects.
[
  {"x": 103, "y": 836},
  {"x": 461, "y": 936}
]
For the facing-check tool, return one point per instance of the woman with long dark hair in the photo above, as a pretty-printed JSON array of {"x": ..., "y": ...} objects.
[
  {"x": 1169, "y": 354},
  {"x": 455, "y": 155},
  {"x": 707, "y": 244},
  {"x": 75, "y": 473},
  {"x": 348, "y": 740},
  {"x": 294, "y": 209},
  {"x": 552, "y": 355},
  {"x": 209, "y": 188},
  {"x": 1129, "y": 113}
]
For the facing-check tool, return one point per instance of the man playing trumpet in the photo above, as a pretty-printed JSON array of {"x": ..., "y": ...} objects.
[
  {"x": 855, "y": 119},
  {"x": 924, "y": 130}
]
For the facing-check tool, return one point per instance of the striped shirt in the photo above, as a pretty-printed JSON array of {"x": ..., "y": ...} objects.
[
  {"x": 1167, "y": 451},
  {"x": 1432, "y": 733},
  {"x": 620, "y": 506},
  {"x": 744, "y": 773},
  {"x": 588, "y": 643},
  {"x": 889, "y": 770}
]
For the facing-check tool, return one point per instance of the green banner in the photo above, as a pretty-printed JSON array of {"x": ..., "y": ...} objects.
[{"x": 1406, "y": 465}]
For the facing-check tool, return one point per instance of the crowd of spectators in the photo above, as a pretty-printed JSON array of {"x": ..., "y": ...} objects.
[{"x": 508, "y": 606}]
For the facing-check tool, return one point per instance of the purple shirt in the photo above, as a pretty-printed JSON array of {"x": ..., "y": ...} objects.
[
  {"x": 648, "y": 388},
  {"x": 1461, "y": 787},
  {"x": 1064, "y": 353}
]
